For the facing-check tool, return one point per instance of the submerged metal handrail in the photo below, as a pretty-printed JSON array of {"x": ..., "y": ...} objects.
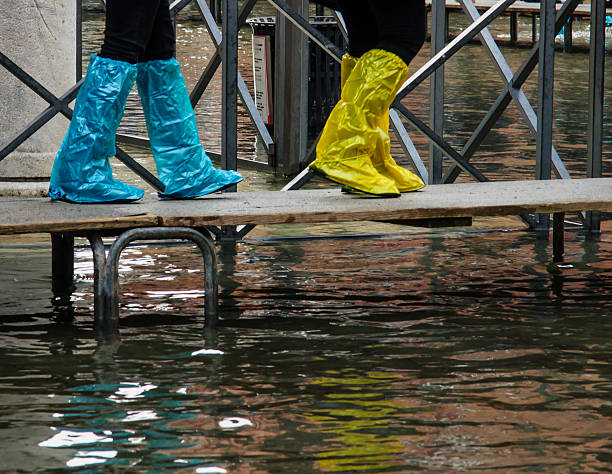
[{"x": 106, "y": 271}]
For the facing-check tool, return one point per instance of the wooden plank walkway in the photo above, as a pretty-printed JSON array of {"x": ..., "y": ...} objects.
[{"x": 33, "y": 215}]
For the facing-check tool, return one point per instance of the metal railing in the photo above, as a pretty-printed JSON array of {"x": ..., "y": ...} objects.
[{"x": 539, "y": 121}]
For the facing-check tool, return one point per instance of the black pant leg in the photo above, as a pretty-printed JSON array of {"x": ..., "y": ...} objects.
[
  {"x": 360, "y": 25},
  {"x": 402, "y": 26},
  {"x": 162, "y": 43},
  {"x": 398, "y": 26},
  {"x": 129, "y": 24}
]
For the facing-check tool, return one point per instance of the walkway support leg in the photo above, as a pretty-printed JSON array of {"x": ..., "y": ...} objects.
[
  {"x": 558, "y": 236},
  {"x": 596, "y": 102},
  {"x": 436, "y": 114},
  {"x": 546, "y": 75},
  {"x": 99, "y": 264},
  {"x": 62, "y": 265}
]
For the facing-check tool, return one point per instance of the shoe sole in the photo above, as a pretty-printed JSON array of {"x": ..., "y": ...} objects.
[
  {"x": 118, "y": 201},
  {"x": 358, "y": 191},
  {"x": 161, "y": 196}
]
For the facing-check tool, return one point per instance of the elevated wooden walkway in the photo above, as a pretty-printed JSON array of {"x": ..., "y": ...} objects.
[
  {"x": 34, "y": 215},
  {"x": 152, "y": 218}
]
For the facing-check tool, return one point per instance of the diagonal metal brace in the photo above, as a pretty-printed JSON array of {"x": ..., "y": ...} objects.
[
  {"x": 60, "y": 105},
  {"x": 512, "y": 91},
  {"x": 455, "y": 45},
  {"x": 310, "y": 31},
  {"x": 439, "y": 142}
]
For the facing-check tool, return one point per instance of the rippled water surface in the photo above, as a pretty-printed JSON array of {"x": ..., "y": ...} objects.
[
  {"x": 395, "y": 350},
  {"x": 437, "y": 351}
]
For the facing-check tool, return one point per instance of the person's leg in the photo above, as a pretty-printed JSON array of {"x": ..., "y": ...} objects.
[
  {"x": 182, "y": 164},
  {"x": 129, "y": 24},
  {"x": 406, "y": 42},
  {"x": 354, "y": 146},
  {"x": 162, "y": 42},
  {"x": 352, "y": 132},
  {"x": 401, "y": 26},
  {"x": 361, "y": 27},
  {"x": 81, "y": 171}
]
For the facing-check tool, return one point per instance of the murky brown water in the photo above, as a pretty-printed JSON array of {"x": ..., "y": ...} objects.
[{"x": 396, "y": 350}]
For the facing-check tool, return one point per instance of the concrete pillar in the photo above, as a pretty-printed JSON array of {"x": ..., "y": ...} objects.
[{"x": 40, "y": 37}]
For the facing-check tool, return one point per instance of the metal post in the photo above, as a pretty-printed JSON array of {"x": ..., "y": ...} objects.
[
  {"x": 546, "y": 76},
  {"x": 99, "y": 265},
  {"x": 229, "y": 93},
  {"x": 558, "y": 236},
  {"x": 291, "y": 95},
  {"x": 436, "y": 113},
  {"x": 568, "y": 35},
  {"x": 513, "y": 27},
  {"x": 62, "y": 265},
  {"x": 596, "y": 89}
]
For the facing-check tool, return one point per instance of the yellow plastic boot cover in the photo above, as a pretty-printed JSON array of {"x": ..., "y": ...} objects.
[
  {"x": 382, "y": 160},
  {"x": 352, "y": 131}
]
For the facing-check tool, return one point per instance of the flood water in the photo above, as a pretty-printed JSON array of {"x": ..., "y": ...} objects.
[{"x": 344, "y": 347}]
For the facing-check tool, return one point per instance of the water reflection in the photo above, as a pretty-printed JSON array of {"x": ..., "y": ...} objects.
[{"x": 448, "y": 351}]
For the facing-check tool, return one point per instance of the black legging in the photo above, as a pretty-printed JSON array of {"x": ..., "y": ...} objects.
[
  {"x": 138, "y": 31},
  {"x": 398, "y": 26}
]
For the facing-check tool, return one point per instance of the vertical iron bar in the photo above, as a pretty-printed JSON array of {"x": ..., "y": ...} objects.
[
  {"x": 558, "y": 236},
  {"x": 229, "y": 139},
  {"x": 568, "y": 33},
  {"x": 436, "y": 113},
  {"x": 229, "y": 92},
  {"x": 62, "y": 264},
  {"x": 513, "y": 27},
  {"x": 546, "y": 75},
  {"x": 99, "y": 266},
  {"x": 596, "y": 100}
]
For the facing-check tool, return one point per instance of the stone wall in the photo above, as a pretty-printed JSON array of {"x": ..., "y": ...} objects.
[{"x": 39, "y": 36}]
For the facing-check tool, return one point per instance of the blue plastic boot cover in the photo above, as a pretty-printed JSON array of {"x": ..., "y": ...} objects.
[
  {"x": 182, "y": 164},
  {"x": 81, "y": 172}
]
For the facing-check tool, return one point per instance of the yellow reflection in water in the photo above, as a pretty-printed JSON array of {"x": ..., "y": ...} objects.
[{"x": 361, "y": 426}]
